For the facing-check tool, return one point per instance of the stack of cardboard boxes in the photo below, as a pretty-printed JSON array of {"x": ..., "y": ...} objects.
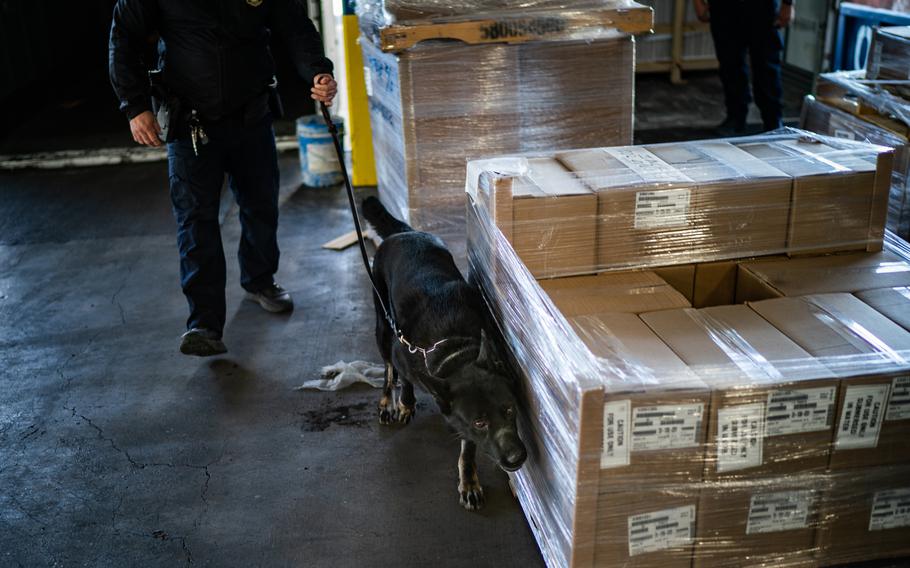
[
  {"x": 765, "y": 425},
  {"x": 537, "y": 81},
  {"x": 872, "y": 105}
]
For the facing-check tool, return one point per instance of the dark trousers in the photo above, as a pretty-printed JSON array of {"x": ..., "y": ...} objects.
[
  {"x": 747, "y": 26},
  {"x": 247, "y": 155}
]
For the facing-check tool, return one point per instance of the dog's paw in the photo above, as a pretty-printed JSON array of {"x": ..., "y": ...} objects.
[
  {"x": 385, "y": 411},
  {"x": 405, "y": 413},
  {"x": 470, "y": 495}
]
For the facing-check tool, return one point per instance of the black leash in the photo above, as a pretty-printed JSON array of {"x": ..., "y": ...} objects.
[{"x": 339, "y": 150}]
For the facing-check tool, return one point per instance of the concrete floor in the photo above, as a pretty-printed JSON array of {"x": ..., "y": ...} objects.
[{"x": 115, "y": 450}]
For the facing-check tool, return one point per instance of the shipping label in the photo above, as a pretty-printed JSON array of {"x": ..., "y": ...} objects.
[
  {"x": 661, "y": 208},
  {"x": 890, "y": 510},
  {"x": 800, "y": 410},
  {"x": 861, "y": 417},
  {"x": 660, "y": 530},
  {"x": 899, "y": 405},
  {"x": 666, "y": 427},
  {"x": 617, "y": 424},
  {"x": 649, "y": 167},
  {"x": 740, "y": 436},
  {"x": 776, "y": 512}
]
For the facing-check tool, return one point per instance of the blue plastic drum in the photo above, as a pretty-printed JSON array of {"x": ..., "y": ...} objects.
[{"x": 318, "y": 162}]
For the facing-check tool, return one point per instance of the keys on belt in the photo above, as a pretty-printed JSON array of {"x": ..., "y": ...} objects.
[{"x": 197, "y": 134}]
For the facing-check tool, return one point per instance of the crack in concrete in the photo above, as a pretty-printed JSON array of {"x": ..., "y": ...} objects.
[{"x": 114, "y": 300}]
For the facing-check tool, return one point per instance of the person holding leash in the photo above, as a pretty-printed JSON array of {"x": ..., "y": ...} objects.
[
  {"x": 214, "y": 95},
  {"x": 753, "y": 26}
]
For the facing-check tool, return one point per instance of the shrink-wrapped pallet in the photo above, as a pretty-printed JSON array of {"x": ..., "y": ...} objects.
[
  {"x": 665, "y": 435},
  {"x": 498, "y": 78}
]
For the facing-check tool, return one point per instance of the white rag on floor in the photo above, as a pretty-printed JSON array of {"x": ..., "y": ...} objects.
[{"x": 342, "y": 375}]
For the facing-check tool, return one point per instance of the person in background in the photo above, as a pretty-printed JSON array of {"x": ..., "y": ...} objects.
[
  {"x": 216, "y": 75},
  {"x": 754, "y": 27}
]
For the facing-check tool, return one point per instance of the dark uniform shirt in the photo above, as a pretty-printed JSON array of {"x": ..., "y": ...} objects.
[{"x": 214, "y": 53}]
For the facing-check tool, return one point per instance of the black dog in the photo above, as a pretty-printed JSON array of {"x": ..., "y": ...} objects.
[{"x": 445, "y": 346}]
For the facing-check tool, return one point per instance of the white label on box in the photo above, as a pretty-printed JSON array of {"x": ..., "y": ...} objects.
[
  {"x": 776, "y": 512},
  {"x": 616, "y": 434},
  {"x": 800, "y": 410},
  {"x": 648, "y": 166},
  {"x": 890, "y": 510},
  {"x": 899, "y": 406},
  {"x": 661, "y": 208},
  {"x": 368, "y": 79},
  {"x": 861, "y": 417},
  {"x": 660, "y": 530},
  {"x": 740, "y": 436},
  {"x": 666, "y": 427}
]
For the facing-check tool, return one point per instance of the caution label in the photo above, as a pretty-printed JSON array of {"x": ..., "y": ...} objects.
[
  {"x": 861, "y": 417},
  {"x": 616, "y": 434}
]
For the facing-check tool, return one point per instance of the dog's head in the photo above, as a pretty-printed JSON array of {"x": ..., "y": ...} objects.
[{"x": 476, "y": 396}]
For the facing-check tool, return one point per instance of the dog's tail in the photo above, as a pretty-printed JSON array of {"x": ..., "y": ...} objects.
[{"x": 381, "y": 219}]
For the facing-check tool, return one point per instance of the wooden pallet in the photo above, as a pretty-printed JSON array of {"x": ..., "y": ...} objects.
[{"x": 633, "y": 20}]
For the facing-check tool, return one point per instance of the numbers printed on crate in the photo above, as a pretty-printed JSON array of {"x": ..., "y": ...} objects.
[
  {"x": 666, "y": 427},
  {"x": 890, "y": 509},
  {"x": 660, "y": 530},
  {"x": 800, "y": 410},
  {"x": 861, "y": 417},
  {"x": 740, "y": 436}
]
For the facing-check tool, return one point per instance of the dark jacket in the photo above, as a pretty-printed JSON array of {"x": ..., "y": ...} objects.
[{"x": 214, "y": 53}]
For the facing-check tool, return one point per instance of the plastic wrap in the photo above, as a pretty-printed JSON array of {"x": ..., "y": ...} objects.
[
  {"x": 441, "y": 102},
  {"x": 828, "y": 120},
  {"x": 889, "y": 59},
  {"x": 770, "y": 432},
  {"x": 851, "y": 91}
]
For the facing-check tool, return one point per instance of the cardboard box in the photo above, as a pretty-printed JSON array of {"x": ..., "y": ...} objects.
[
  {"x": 550, "y": 220},
  {"x": 894, "y": 303},
  {"x": 655, "y": 421},
  {"x": 742, "y": 204},
  {"x": 819, "y": 275},
  {"x": 866, "y": 516},
  {"x": 715, "y": 283},
  {"x": 862, "y": 346},
  {"x": 644, "y": 206},
  {"x": 763, "y": 384},
  {"x": 839, "y": 201},
  {"x": 427, "y": 120},
  {"x": 681, "y": 277},
  {"x": 768, "y": 523},
  {"x": 889, "y": 58},
  {"x": 818, "y": 116},
  {"x": 646, "y": 529},
  {"x": 612, "y": 292}
]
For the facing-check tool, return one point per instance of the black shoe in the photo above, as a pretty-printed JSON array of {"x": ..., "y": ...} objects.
[
  {"x": 731, "y": 127},
  {"x": 273, "y": 298},
  {"x": 202, "y": 342}
]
